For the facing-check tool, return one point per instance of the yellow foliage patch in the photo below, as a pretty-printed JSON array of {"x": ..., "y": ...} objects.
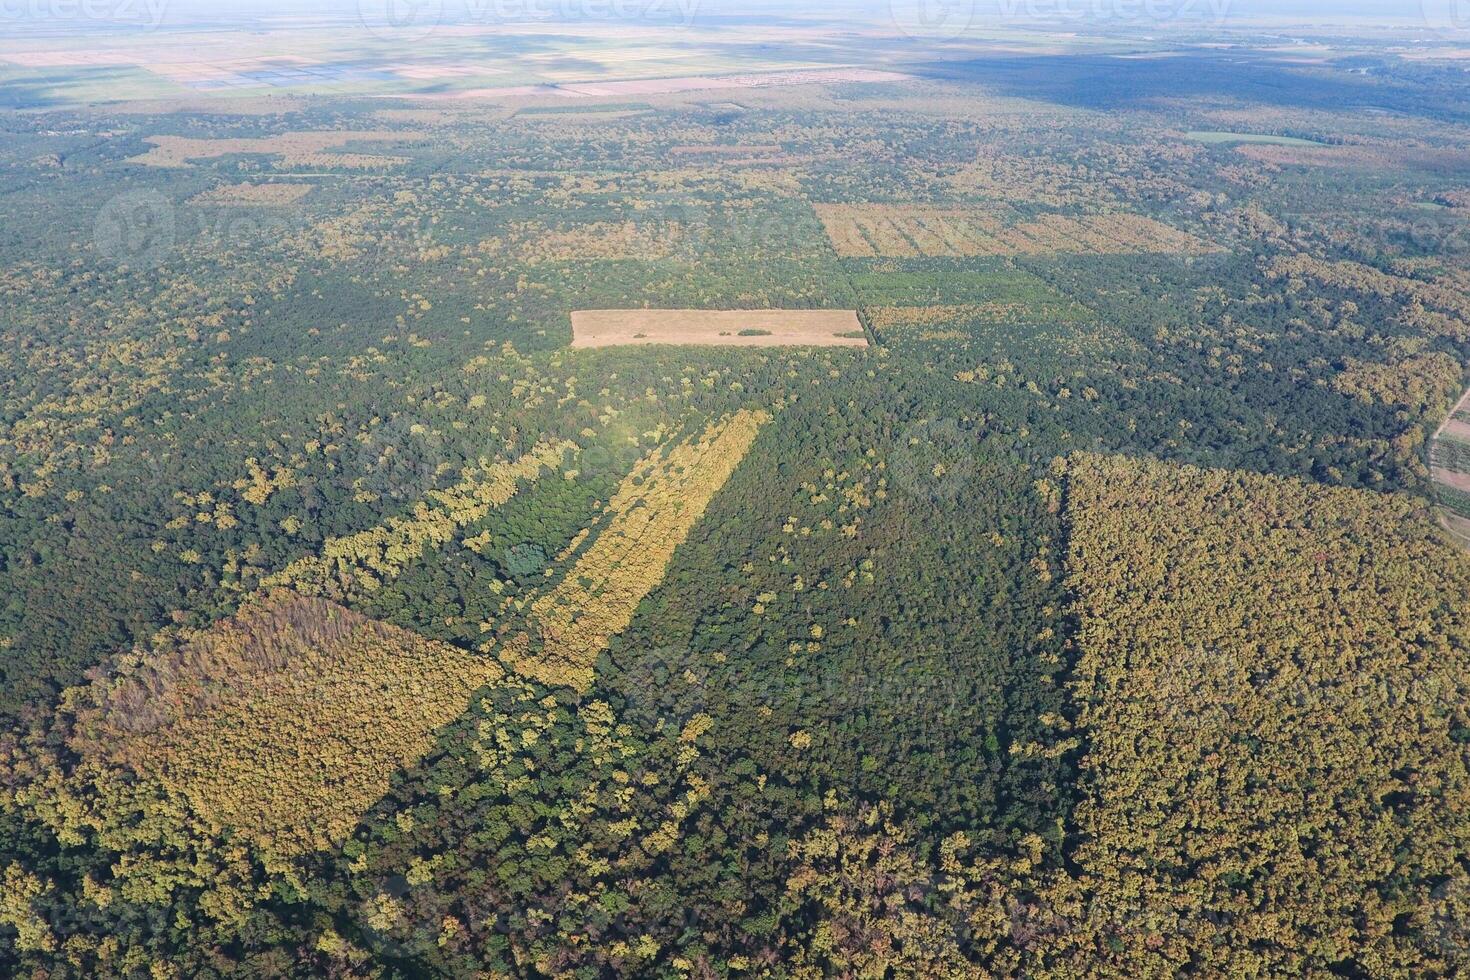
[
  {"x": 1274, "y": 681},
  {"x": 905, "y": 230},
  {"x": 295, "y": 149},
  {"x": 363, "y": 561},
  {"x": 655, "y": 508},
  {"x": 286, "y": 720}
]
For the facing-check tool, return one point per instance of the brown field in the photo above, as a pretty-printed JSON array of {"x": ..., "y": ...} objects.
[
  {"x": 296, "y": 149},
  {"x": 906, "y": 230},
  {"x": 779, "y": 328},
  {"x": 258, "y": 195},
  {"x": 1456, "y": 430}
]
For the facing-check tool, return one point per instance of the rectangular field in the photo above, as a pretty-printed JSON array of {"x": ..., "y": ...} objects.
[
  {"x": 912, "y": 230},
  {"x": 723, "y": 328}
]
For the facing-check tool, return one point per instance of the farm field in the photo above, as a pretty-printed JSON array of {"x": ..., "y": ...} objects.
[
  {"x": 1221, "y": 137},
  {"x": 295, "y": 149},
  {"x": 894, "y": 231},
  {"x": 725, "y": 328},
  {"x": 703, "y": 494}
]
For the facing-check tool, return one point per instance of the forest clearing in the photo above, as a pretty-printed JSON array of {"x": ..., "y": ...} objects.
[
  {"x": 295, "y": 149},
  {"x": 911, "y": 230},
  {"x": 652, "y": 512},
  {"x": 285, "y": 721},
  {"x": 1449, "y": 467},
  {"x": 724, "y": 328}
]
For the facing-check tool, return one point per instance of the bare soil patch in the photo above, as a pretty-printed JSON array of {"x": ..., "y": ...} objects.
[{"x": 723, "y": 328}]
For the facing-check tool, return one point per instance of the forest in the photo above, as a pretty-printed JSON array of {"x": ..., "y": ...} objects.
[{"x": 1100, "y": 608}]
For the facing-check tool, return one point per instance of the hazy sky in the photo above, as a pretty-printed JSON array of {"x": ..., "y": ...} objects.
[{"x": 178, "y": 13}]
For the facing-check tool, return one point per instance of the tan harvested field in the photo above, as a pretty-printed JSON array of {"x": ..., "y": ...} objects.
[
  {"x": 305, "y": 148},
  {"x": 1452, "y": 479},
  {"x": 653, "y": 511},
  {"x": 257, "y": 195},
  {"x": 285, "y": 721},
  {"x": 721, "y": 328},
  {"x": 907, "y": 230},
  {"x": 1456, "y": 430},
  {"x": 1461, "y": 407}
]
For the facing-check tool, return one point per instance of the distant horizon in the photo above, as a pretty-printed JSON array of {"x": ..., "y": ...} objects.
[{"x": 193, "y": 13}]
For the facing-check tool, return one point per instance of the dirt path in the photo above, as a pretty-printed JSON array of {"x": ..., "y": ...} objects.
[
  {"x": 1455, "y": 524},
  {"x": 1459, "y": 406}
]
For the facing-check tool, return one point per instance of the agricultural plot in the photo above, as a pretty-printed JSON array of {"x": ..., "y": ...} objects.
[
  {"x": 654, "y": 510},
  {"x": 285, "y": 721},
  {"x": 722, "y": 328},
  {"x": 1449, "y": 454},
  {"x": 909, "y": 230},
  {"x": 295, "y": 149}
]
